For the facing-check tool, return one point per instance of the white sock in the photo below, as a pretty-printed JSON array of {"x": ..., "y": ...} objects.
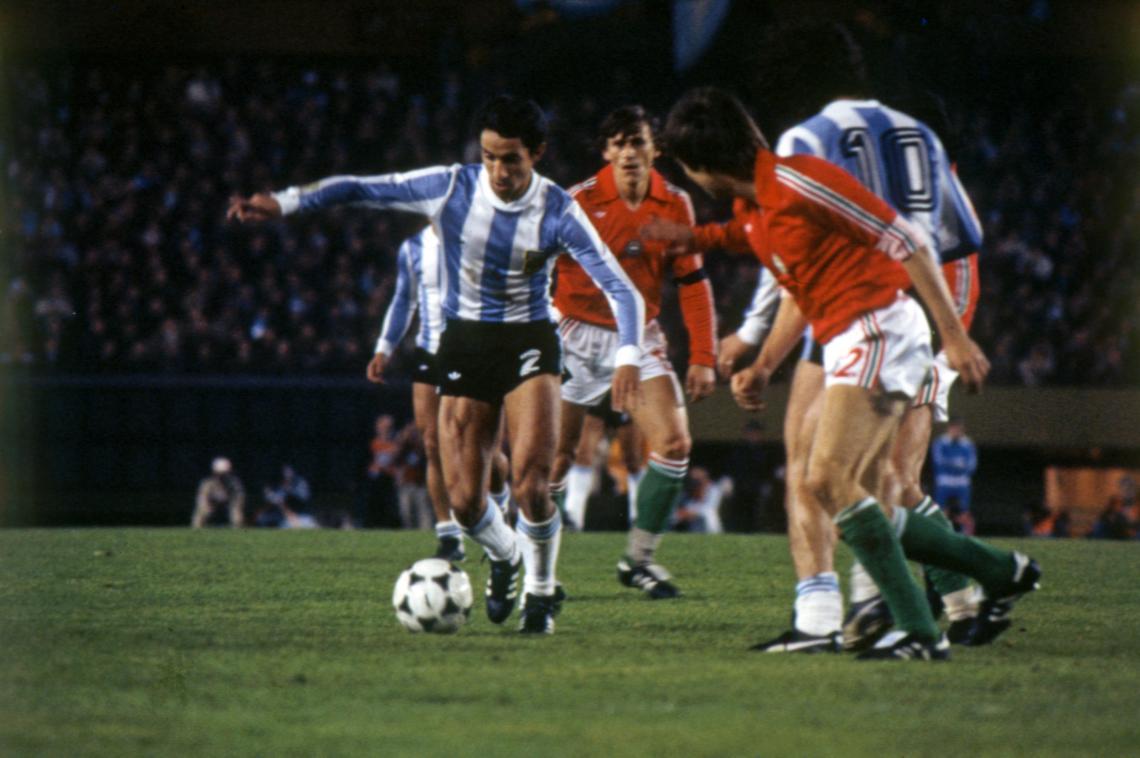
[
  {"x": 632, "y": 479},
  {"x": 863, "y": 587},
  {"x": 449, "y": 528},
  {"x": 540, "y": 543},
  {"x": 502, "y": 498},
  {"x": 579, "y": 482},
  {"x": 819, "y": 604},
  {"x": 962, "y": 604},
  {"x": 494, "y": 535}
]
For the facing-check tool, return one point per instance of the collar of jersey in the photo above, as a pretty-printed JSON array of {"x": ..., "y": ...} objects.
[
  {"x": 608, "y": 191},
  {"x": 515, "y": 205}
]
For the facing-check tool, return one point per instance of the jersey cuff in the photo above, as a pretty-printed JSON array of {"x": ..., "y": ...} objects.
[
  {"x": 288, "y": 199},
  {"x": 703, "y": 359},
  {"x": 384, "y": 346},
  {"x": 627, "y": 355}
]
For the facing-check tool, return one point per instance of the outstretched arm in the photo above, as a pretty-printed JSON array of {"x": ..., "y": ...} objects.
[{"x": 422, "y": 192}]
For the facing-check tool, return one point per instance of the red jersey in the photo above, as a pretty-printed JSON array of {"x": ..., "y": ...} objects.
[
  {"x": 575, "y": 294},
  {"x": 830, "y": 242},
  {"x": 732, "y": 235}
]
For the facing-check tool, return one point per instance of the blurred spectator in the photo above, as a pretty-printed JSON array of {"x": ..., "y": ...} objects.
[
  {"x": 380, "y": 497},
  {"x": 699, "y": 510},
  {"x": 288, "y": 503},
  {"x": 116, "y": 178},
  {"x": 960, "y": 518},
  {"x": 1120, "y": 519},
  {"x": 415, "y": 504},
  {"x": 221, "y": 497},
  {"x": 954, "y": 458},
  {"x": 1042, "y": 522},
  {"x": 751, "y": 505}
]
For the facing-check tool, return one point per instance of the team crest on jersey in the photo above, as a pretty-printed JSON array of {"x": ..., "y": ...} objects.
[
  {"x": 633, "y": 249},
  {"x": 534, "y": 260}
]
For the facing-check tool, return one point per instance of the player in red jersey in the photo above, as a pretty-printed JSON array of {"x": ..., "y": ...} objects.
[
  {"x": 619, "y": 199},
  {"x": 836, "y": 249}
]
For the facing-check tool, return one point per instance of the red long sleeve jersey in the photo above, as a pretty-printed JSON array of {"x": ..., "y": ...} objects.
[
  {"x": 575, "y": 294},
  {"x": 831, "y": 243}
]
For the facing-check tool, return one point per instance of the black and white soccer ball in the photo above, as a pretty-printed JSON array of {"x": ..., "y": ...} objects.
[{"x": 433, "y": 595}]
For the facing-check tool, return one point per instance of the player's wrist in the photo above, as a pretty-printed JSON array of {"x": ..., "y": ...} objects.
[
  {"x": 289, "y": 199},
  {"x": 627, "y": 355}
]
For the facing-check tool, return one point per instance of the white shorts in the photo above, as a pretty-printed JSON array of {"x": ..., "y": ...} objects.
[
  {"x": 935, "y": 391},
  {"x": 887, "y": 350},
  {"x": 588, "y": 360}
]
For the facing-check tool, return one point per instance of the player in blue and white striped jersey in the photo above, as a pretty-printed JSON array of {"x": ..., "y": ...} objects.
[
  {"x": 417, "y": 292},
  {"x": 501, "y": 225}
]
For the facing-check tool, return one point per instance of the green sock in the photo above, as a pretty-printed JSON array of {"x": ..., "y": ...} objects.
[
  {"x": 942, "y": 580},
  {"x": 868, "y": 533},
  {"x": 659, "y": 491},
  {"x": 558, "y": 495},
  {"x": 924, "y": 539}
]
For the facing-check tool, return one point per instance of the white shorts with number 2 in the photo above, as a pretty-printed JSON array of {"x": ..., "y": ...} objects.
[{"x": 886, "y": 350}]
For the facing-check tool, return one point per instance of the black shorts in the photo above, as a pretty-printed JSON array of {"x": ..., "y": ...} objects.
[
  {"x": 425, "y": 368},
  {"x": 485, "y": 361},
  {"x": 605, "y": 411},
  {"x": 812, "y": 352}
]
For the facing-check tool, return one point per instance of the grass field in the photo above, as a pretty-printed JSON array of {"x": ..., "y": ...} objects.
[{"x": 172, "y": 642}]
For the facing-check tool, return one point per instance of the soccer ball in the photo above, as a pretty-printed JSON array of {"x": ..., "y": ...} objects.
[{"x": 433, "y": 596}]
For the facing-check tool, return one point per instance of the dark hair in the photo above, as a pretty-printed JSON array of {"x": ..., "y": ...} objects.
[
  {"x": 801, "y": 66},
  {"x": 708, "y": 129},
  {"x": 626, "y": 120},
  {"x": 514, "y": 117}
]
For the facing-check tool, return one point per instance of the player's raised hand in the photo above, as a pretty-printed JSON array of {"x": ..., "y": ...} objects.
[
  {"x": 625, "y": 391},
  {"x": 678, "y": 237},
  {"x": 729, "y": 353},
  {"x": 253, "y": 209},
  {"x": 376, "y": 366},
  {"x": 748, "y": 386},
  {"x": 700, "y": 381},
  {"x": 965, "y": 357}
]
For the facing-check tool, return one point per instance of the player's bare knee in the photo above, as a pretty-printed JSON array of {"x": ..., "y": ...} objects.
[
  {"x": 675, "y": 445},
  {"x": 831, "y": 484},
  {"x": 466, "y": 510}
]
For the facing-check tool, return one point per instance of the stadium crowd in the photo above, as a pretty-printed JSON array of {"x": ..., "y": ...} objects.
[{"x": 120, "y": 261}]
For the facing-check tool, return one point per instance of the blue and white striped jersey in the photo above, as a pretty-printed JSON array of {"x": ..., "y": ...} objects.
[
  {"x": 898, "y": 158},
  {"x": 762, "y": 310},
  {"x": 496, "y": 255},
  {"x": 960, "y": 231},
  {"x": 417, "y": 289},
  {"x": 895, "y": 156}
]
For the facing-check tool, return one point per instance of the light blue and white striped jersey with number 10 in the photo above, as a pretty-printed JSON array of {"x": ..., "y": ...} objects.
[
  {"x": 417, "y": 289},
  {"x": 496, "y": 255},
  {"x": 901, "y": 160}
]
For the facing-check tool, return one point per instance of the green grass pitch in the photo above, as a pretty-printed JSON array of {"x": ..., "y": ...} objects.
[{"x": 172, "y": 642}]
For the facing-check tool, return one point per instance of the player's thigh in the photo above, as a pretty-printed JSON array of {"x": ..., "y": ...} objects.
[
  {"x": 632, "y": 442},
  {"x": 573, "y": 428},
  {"x": 805, "y": 399},
  {"x": 591, "y": 431},
  {"x": 532, "y": 411},
  {"x": 908, "y": 454},
  {"x": 468, "y": 429},
  {"x": 661, "y": 416},
  {"x": 425, "y": 409},
  {"x": 855, "y": 425}
]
